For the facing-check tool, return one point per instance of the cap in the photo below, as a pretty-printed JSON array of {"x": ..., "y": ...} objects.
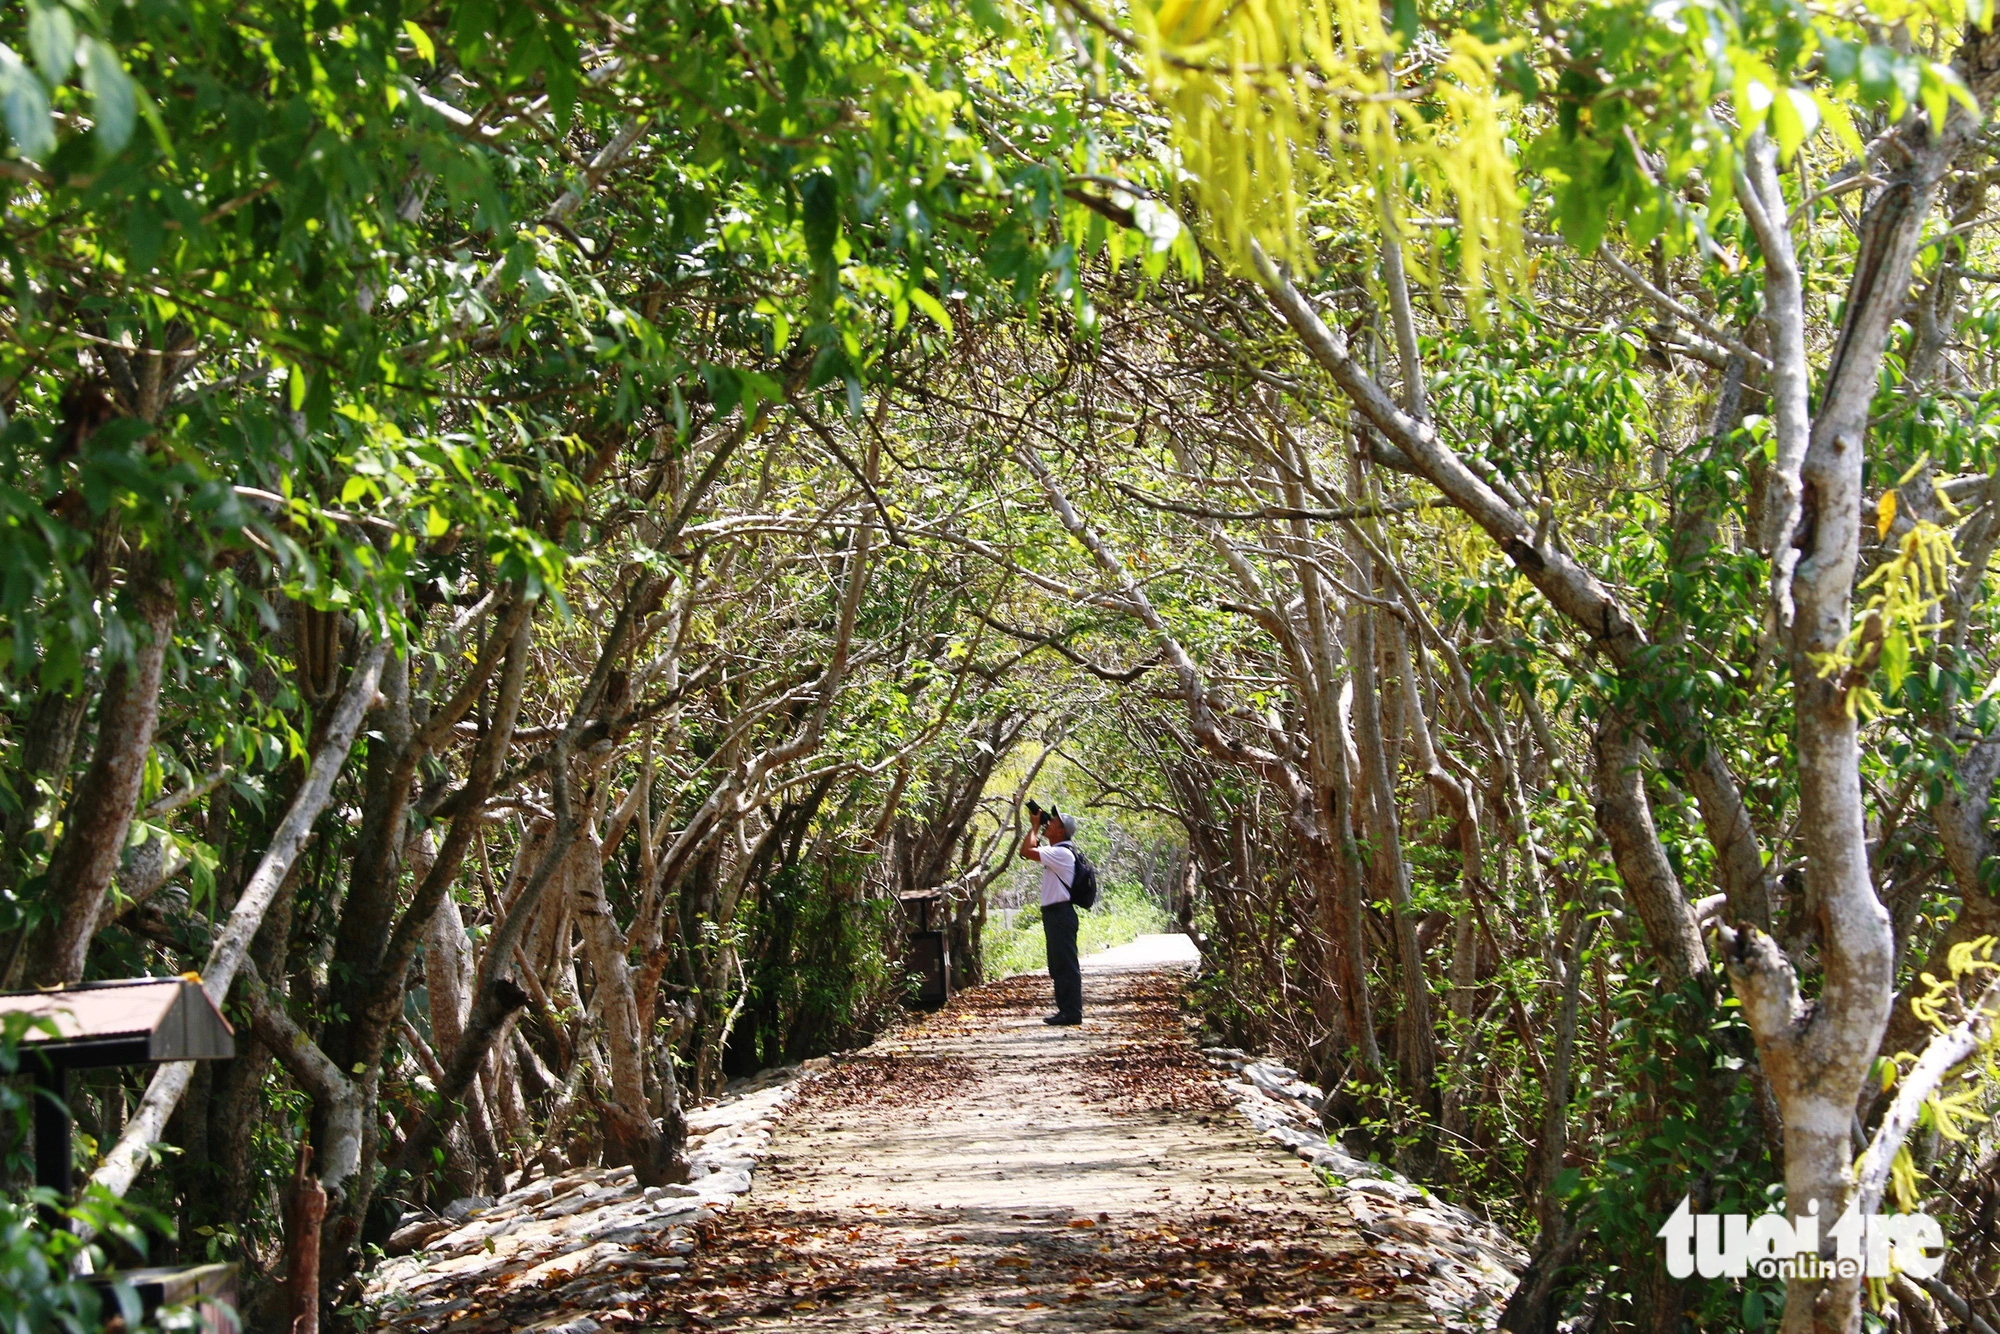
[{"x": 1068, "y": 823}]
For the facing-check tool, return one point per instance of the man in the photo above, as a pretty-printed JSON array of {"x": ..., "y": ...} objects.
[{"x": 1058, "y": 861}]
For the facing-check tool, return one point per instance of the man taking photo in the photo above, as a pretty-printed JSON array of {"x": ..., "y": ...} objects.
[{"x": 1048, "y": 842}]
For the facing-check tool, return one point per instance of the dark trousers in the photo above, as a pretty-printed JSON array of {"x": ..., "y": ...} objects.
[{"x": 1059, "y": 930}]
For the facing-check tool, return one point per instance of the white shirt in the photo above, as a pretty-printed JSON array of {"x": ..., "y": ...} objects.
[{"x": 1058, "y": 869}]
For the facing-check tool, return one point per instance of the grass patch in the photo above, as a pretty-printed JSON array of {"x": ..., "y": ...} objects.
[{"x": 1123, "y": 914}]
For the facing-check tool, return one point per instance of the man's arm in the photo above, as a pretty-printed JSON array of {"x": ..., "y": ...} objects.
[{"x": 1030, "y": 852}]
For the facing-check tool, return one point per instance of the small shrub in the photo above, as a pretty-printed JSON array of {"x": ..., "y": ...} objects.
[{"x": 37, "y": 1291}]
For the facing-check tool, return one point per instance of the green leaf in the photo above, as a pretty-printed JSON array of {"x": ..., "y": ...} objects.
[
  {"x": 1756, "y": 93},
  {"x": 295, "y": 386},
  {"x": 1895, "y": 658},
  {"x": 1937, "y": 101},
  {"x": 781, "y": 324},
  {"x": 52, "y": 42},
  {"x": 1836, "y": 115},
  {"x": 520, "y": 261},
  {"x": 1408, "y": 24},
  {"x": 24, "y": 105},
  {"x": 112, "y": 100},
  {"x": 821, "y": 217},
  {"x": 1877, "y": 73},
  {"x": 155, "y": 124},
  {"x": 426, "y": 48},
  {"x": 991, "y": 17},
  {"x": 144, "y": 236},
  {"x": 1946, "y": 79},
  {"x": 931, "y": 306},
  {"x": 759, "y": 390},
  {"x": 1909, "y": 75},
  {"x": 725, "y": 388},
  {"x": 1794, "y": 117},
  {"x": 1842, "y": 58}
]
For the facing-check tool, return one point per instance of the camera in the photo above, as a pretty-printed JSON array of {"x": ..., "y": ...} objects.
[{"x": 1035, "y": 810}]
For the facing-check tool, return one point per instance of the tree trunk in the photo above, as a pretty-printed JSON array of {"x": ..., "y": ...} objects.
[
  {"x": 631, "y": 1135},
  {"x": 497, "y": 995},
  {"x": 1419, "y": 1029},
  {"x": 48, "y": 742},
  {"x": 95, "y": 824},
  {"x": 1626, "y": 817},
  {"x": 230, "y": 951}
]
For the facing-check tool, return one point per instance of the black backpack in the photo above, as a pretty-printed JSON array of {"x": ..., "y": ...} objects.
[{"x": 1083, "y": 880}]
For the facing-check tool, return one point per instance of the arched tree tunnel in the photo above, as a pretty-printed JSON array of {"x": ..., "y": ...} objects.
[{"x": 540, "y": 544}]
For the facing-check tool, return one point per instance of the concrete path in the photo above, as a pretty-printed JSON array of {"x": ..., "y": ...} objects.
[{"x": 980, "y": 1171}]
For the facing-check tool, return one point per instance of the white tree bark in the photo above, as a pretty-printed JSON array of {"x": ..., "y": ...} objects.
[
  {"x": 121, "y": 1167},
  {"x": 1763, "y": 200},
  {"x": 616, "y": 1004},
  {"x": 1818, "y": 1056},
  {"x": 1570, "y": 588},
  {"x": 1941, "y": 1055}
]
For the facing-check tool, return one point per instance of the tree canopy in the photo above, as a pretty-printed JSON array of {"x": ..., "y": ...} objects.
[{"x": 525, "y": 528}]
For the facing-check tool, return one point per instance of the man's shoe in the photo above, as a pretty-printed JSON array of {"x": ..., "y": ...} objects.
[{"x": 1063, "y": 1020}]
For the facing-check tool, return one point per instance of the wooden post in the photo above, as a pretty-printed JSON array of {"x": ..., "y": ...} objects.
[
  {"x": 52, "y": 1137},
  {"x": 302, "y": 1240}
]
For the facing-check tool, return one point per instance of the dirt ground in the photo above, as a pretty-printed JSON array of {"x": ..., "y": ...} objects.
[{"x": 982, "y": 1171}]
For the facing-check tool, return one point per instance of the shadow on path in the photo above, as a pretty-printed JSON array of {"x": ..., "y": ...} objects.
[{"x": 977, "y": 1170}]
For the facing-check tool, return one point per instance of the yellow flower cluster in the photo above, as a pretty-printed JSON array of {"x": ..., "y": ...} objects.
[{"x": 1273, "y": 101}]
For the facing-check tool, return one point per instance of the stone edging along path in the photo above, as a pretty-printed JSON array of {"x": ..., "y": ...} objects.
[
  {"x": 1470, "y": 1266},
  {"x": 574, "y": 1241},
  {"x": 975, "y": 1170}
]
